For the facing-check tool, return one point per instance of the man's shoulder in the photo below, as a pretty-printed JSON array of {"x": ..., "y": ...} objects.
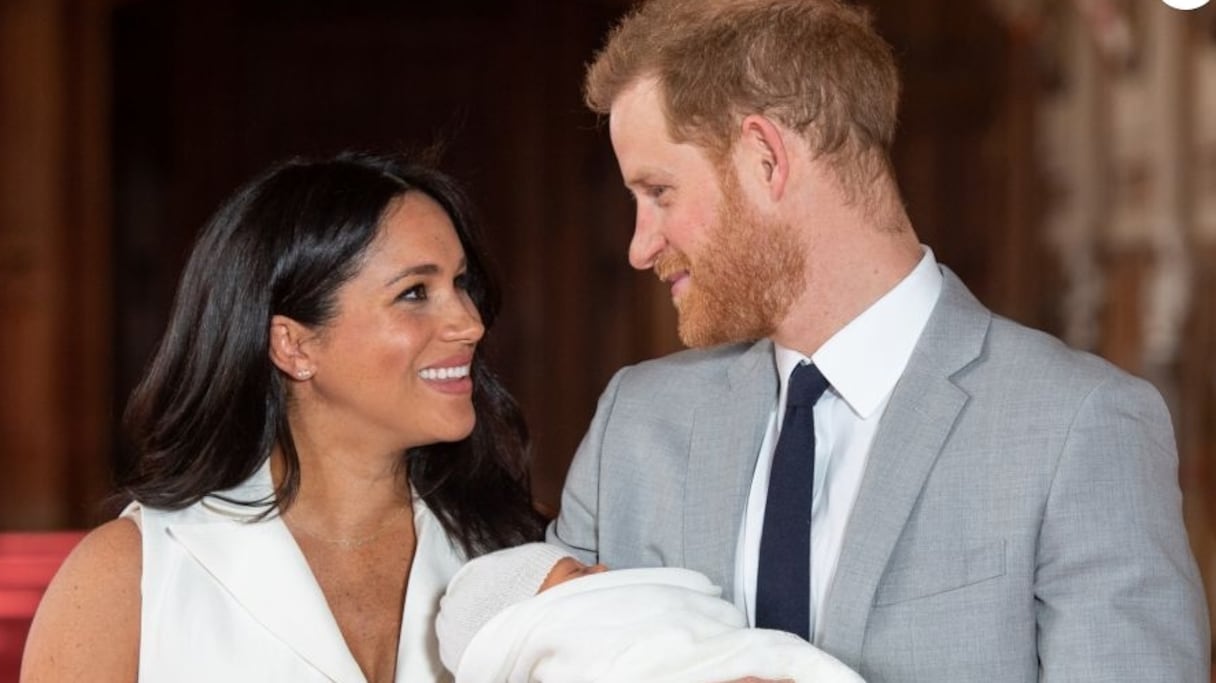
[
  {"x": 1023, "y": 353},
  {"x": 691, "y": 366},
  {"x": 1013, "y": 342},
  {"x": 1008, "y": 349},
  {"x": 679, "y": 382}
]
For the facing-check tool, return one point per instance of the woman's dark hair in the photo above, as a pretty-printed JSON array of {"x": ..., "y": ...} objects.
[{"x": 212, "y": 406}]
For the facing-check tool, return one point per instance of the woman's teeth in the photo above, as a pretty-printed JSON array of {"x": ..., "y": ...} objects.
[{"x": 434, "y": 374}]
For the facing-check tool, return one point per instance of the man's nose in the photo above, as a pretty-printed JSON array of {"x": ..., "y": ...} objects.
[{"x": 646, "y": 244}]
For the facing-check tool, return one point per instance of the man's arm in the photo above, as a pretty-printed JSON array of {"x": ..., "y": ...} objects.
[
  {"x": 1118, "y": 596},
  {"x": 577, "y": 525}
]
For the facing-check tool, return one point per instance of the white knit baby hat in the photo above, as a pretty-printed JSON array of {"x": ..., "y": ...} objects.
[{"x": 484, "y": 587}]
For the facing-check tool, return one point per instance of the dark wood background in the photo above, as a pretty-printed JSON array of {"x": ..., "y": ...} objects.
[{"x": 124, "y": 122}]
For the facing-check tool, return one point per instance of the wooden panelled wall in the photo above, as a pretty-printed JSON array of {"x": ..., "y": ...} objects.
[
  {"x": 55, "y": 282},
  {"x": 124, "y": 122}
]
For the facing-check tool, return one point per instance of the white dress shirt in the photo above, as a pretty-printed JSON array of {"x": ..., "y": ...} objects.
[{"x": 862, "y": 362}]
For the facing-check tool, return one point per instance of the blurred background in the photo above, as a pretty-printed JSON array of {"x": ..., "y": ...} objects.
[{"x": 1059, "y": 155}]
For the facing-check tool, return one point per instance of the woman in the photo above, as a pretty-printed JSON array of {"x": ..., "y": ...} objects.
[{"x": 321, "y": 446}]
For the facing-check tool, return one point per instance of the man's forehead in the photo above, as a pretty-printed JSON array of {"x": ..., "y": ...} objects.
[{"x": 640, "y": 99}]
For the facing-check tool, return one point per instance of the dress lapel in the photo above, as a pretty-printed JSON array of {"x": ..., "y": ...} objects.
[
  {"x": 919, "y": 417},
  {"x": 727, "y": 430},
  {"x": 436, "y": 559},
  {"x": 259, "y": 564}
]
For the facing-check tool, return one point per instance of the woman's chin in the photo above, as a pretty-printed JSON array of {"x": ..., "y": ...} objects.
[{"x": 459, "y": 431}]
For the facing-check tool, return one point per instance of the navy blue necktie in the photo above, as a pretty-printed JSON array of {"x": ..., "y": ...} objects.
[{"x": 783, "y": 582}]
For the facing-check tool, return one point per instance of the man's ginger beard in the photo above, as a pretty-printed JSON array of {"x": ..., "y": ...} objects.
[{"x": 746, "y": 279}]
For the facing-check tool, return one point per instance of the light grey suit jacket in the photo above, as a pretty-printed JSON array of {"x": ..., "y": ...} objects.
[{"x": 1019, "y": 518}]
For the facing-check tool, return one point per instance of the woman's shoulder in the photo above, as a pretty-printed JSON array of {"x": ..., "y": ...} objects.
[
  {"x": 93, "y": 605},
  {"x": 105, "y": 565},
  {"x": 114, "y": 547}
]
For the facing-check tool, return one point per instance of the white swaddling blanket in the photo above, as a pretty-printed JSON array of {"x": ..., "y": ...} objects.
[{"x": 656, "y": 625}]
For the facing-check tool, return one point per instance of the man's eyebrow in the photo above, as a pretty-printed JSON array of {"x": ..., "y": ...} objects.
[{"x": 647, "y": 176}]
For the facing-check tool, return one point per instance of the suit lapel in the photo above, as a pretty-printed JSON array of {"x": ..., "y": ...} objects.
[
  {"x": 919, "y": 418},
  {"x": 262, "y": 568},
  {"x": 725, "y": 440}
]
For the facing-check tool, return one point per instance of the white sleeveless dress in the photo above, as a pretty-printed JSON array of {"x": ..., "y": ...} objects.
[{"x": 227, "y": 599}]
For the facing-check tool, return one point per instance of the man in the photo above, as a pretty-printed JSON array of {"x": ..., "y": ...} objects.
[{"x": 983, "y": 503}]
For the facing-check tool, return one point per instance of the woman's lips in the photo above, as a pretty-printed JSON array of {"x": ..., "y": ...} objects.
[{"x": 450, "y": 376}]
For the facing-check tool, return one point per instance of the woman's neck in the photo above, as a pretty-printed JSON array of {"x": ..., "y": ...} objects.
[{"x": 342, "y": 495}]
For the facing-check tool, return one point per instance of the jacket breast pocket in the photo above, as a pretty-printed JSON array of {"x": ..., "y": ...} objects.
[{"x": 933, "y": 569}]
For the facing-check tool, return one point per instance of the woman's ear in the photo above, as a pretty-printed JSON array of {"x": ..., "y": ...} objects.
[
  {"x": 288, "y": 347},
  {"x": 762, "y": 147}
]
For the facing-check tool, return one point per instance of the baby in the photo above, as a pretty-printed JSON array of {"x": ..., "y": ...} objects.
[{"x": 517, "y": 616}]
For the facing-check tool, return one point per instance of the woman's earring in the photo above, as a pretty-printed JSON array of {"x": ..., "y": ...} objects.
[{"x": 303, "y": 373}]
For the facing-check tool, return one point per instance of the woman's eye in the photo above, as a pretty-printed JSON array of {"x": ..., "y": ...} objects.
[
  {"x": 462, "y": 282},
  {"x": 415, "y": 293}
]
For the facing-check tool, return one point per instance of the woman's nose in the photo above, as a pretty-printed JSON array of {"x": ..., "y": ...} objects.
[{"x": 464, "y": 322}]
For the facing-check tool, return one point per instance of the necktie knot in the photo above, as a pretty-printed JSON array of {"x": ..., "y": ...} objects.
[{"x": 807, "y": 384}]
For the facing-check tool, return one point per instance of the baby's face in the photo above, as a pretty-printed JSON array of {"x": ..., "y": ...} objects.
[{"x": 568, "y": 568}]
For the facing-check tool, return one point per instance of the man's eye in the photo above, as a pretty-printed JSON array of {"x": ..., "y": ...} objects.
[
  {"x": 656, "y": 191},
  {"x": 415, "y": 293}
]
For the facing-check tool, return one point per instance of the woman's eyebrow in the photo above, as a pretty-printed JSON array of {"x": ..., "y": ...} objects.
[{"x": 421, "y": 269}]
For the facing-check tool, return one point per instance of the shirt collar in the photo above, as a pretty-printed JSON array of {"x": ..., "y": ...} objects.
[{"x": 866, "y": 357}]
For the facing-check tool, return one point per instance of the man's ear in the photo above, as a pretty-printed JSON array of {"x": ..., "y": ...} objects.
[
  {"x": 288, "y": 347},
  {"x": 764, "y": 157}
]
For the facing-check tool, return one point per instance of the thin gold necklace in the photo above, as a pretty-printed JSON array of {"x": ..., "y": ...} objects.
[{"x": 348, "y": 542}]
